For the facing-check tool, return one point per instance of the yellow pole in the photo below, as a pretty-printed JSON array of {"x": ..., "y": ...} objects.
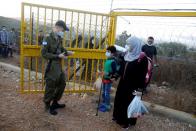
[
  {"x": 77, "y": 30},
  {"x": 64, "y": 40},
  {"x": 83, "y": 30},
  {"x": 101, "y": 32},
  {"x": 71, "y": 30},
  {"x": 114, "y": 31},
  {"x": 86, "y": 73},
  {"x": 95, "y": 33},
  {"x": 43, "y": 62},
  {"x": 81, "y": 61},
  {"x": 106, "y": 33},
  {"x": 37, "y": 41},
  {"x": 89, "y": 31},
  {"x": 37, "y": 27}
]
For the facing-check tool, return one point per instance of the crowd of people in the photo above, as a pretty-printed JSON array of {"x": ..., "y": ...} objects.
[
  {"x": 133, "y": 67},
  {"x": 7, "y": 42}
]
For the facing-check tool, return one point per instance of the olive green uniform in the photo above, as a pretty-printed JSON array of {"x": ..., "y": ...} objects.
[{"x": 54, "y": 76}]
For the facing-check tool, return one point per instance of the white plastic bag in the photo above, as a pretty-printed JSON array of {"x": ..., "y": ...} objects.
[
  {"x": 98, "y": 83},
  {"x": 136, "y": 108}
]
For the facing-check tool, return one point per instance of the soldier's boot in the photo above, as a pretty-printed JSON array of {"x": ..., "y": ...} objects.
[
  {"x": 56, "y": 105},
  {"x": 52, "y": 111},
  {"x": 47, "y": 106}
]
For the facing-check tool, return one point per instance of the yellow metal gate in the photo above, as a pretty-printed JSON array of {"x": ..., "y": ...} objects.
[
  {"x": 88, "y": 37},
  {"x": 148, "y": 14}
]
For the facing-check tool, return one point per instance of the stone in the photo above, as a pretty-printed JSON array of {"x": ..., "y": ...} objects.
[
  {"x": 164, "y": 83},
  {"x": 84, "y": 96}
]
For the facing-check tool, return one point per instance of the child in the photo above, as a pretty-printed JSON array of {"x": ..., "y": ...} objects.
[{"x": 110, "y": 68}]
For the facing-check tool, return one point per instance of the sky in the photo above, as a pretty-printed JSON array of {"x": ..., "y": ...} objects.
[
  {"x": 96, "y": 5},
  {"x": 183, "y": 30}
]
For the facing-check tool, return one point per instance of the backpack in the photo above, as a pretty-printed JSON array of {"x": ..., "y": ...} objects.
[
  {"x": 150, "y": 66},
  {"x": 110, "y": 72},
  {"x": 118, "y": 60}
]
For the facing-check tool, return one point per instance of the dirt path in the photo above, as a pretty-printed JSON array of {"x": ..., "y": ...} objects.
[
  {"x": 26, "y": 113},
  {"x": 11, "y": 60}
]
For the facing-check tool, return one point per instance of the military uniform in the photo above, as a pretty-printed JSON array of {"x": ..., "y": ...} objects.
[{"x": 54, "y": 76}]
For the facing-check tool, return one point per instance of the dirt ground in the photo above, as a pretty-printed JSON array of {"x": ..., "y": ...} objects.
[
  {"x": 11, "y": 60},
  {"x": 25, "y": 112}
]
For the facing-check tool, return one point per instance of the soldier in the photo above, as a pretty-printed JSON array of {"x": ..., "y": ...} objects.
[{"x": 54, "y": 52}]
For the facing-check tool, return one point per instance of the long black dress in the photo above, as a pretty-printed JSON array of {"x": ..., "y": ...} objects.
[{"x": 132, "y": 78}]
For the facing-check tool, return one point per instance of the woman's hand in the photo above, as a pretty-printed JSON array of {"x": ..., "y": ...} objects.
[{"x": 137, "y": 93}]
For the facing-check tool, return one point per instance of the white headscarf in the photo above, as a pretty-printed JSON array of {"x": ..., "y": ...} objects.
[{"x": 136, "y": 45}]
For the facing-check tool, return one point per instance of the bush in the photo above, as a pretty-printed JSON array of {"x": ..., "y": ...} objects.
[
  {"x": 180, "y": 74},
  {"x": 172, "y": 49},
  {"x": 121, "y": 39}
]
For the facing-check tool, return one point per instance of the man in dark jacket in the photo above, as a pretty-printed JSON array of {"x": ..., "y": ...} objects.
[{"x": 151, "y": 50}]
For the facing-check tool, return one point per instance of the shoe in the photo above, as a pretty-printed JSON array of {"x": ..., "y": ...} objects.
[
  {"x": 52, "y": 111},
  {"x": 125, "y": 126},
  {"x": 114, "y": 119},
  {"x": 132, "y": 124},
  {"x": 108, "y": 107},
  {"x": 56, "y": 105},
  {"x": 103, "y": 108}
]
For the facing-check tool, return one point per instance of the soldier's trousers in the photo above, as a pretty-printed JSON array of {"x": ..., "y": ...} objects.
[{"x": 54, "y": 88}]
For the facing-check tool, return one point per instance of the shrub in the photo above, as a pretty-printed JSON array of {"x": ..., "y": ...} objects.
[{"x": 172, "y": 49}]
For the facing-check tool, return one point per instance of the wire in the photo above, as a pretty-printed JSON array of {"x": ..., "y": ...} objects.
[
  {"x": 143, "y": 3},
  {"x": 128, "y": 22},
  {"x": 140, "y": 9},
  {"x": 111, "y": 5}
]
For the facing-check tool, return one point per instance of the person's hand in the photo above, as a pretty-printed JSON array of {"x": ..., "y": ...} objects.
[
  {"x": 62, "y": 56},
  {"x": 113, "y": 79},
  {"x": 137, "y": 93},
  {"x": 156, "y": 65},
  {"x": 100, "y": 73},
  {"x": 70, "y": 53},
  {"x": 66, "y": 71}
]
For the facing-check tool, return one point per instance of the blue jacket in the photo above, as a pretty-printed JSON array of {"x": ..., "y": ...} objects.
[{"x": 4, "y": 37}]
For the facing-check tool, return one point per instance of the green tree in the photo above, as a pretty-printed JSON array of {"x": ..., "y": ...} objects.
[{"x": 121, "y": 40}]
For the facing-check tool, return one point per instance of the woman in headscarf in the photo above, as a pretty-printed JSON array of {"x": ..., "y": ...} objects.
[{"x": 133, "y": 72}]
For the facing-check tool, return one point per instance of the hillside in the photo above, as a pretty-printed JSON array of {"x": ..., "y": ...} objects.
[{"x": 9, "y": 22}]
